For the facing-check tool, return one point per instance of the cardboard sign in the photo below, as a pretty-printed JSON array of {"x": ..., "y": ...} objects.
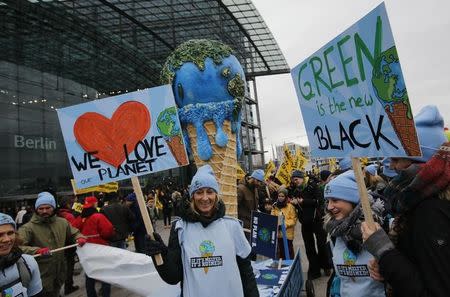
[
  {"x": 353, "y": 96},
  {"x": 264, "y": 234},
  {"x": 106, "y": 188},
  {"x": 123, "y": 136}
]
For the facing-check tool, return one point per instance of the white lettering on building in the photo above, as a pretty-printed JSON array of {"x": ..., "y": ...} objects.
[{"x": 34, "y": 143}]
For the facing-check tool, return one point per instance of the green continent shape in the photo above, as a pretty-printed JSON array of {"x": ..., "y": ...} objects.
[{"x": 167, "y": 124}]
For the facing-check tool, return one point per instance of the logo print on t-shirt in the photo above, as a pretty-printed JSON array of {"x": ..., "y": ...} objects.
[
  {"x": 207, "y": 259},
  {"x": 349, "y": 257}
]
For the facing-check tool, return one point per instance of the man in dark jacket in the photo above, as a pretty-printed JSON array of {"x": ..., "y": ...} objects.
[
  {"x": 416, "y": 263},
  {"x": 248, "y": 197},
  {"x": 121, "y": 217},
  {"x": 307, "y": 199},
  {"x": 138, "y": 227}
]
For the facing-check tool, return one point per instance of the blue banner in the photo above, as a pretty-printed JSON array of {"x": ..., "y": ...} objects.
[{"x": 264, "y": 234}]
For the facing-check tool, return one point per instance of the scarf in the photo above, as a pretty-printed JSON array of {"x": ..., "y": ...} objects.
[
  {"x": 10, "y": 259},
  {"x": 420, "y": 181},
  {"x": 349, "y": 228}
]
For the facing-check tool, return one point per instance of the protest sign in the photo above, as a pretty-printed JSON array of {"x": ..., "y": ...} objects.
[
  {"x": 106, "y": 188},
  {"x": 264, "y": 234},
  {"x": 353, "y": 96},
  {"x": 120, "y": 137},
  {"x": 269, "y": 169},
  {"x": 285, "y": 170}
]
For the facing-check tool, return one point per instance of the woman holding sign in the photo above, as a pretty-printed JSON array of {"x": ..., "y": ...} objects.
[
  {"x": 207, "y": 252},
  {"x": 343, "y": 222},
  {"x": 415, "y": 259}
]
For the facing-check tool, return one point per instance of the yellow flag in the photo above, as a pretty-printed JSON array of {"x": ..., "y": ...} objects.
[
  {"x": 106, "y": 188},
  {"x": 332, "y": 164},
  {"x": 269, "y": 168},
  {"x": 158, "y": 204},
  {"x": 285, "y": 170},
  {"x": 364, "y": 161},
  {"x": 299, "y": 161},
  {"x": 240, "y": 172}
]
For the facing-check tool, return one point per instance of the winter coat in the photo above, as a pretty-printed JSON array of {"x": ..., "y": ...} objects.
[
  {"x": 122, "y": 218},
  {"x": 173, "y": 270},
  {"x": 67, "y": 214},
  {"x": 290, "y": 219},
  {"x": 52, "y": 232},
  {"x": 311, "y": 208},
  {"x": 247, "y": 199},
  {"x": 95, "y": 224},
  {"x": 419, "y": 266}
]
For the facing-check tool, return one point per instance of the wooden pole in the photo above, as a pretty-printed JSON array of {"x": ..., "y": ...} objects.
[
  {"x": 368, "y": 217},
  {"x": 142, "y": 207}
]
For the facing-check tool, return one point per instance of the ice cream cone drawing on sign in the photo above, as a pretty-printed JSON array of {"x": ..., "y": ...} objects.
[
  {"x": 390, "y": 89},
  {"x": 169, "y": 128},
  {"x": 209, "y": 87},
  {"x": 207, "y": 249}
]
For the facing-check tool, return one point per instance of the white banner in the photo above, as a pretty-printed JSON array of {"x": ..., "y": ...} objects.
[{"x": 132, "y": 271}]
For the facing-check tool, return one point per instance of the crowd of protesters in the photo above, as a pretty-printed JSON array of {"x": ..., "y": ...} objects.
[{"x": 405, "y": 253}]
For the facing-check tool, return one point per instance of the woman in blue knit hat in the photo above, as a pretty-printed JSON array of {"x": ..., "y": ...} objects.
[
  {"x": 207, "y": 251},
  {"x": 415, "y": 258},
  {"x": 19, "y": 273},
  {"x": 351, "y": 277}
]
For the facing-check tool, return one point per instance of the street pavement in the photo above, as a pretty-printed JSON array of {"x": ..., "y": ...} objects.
[{"x": 320, "y": 284}]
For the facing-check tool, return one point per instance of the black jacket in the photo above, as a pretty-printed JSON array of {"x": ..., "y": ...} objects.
[
  {"x": 121, "y": 217},
  {"x": 310, "y": 209},
  {"x": 172, "y": 269},
  {"x": 420, "y": 265}
]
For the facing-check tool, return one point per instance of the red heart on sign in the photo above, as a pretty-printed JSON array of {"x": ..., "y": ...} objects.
[{"x": 128, "y": 125}]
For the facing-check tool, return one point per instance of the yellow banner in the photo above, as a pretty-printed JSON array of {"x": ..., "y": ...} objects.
[
  {"x": 332, "y": 164},
  {"x": 240, "y": 172},
  {"x": 364, "y": 161},
  {"x": 106, "y": 188},
  {"x": 269, "y": 168},
  {"x": 158, "y": 204},
  {"x": 285, "y": 170},
  {"x": 299, "y": 161}
]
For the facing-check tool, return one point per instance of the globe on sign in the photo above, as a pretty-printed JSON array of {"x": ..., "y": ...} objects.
[{"x": 264, "y": 234}]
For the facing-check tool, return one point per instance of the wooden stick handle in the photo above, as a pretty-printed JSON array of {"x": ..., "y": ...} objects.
[
  {"x": 143, "y": 208},
  {"x": 368, "y": 216},
  {"x": 59, "y": 249}
]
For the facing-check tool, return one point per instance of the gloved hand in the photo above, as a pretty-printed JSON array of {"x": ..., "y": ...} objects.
[
  {"x": 154, "y": 247},
  {"x": 81, "y": 241},
  {"x": 43, "y": 251}
]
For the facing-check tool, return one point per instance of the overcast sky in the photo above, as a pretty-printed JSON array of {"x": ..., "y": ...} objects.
[{"x": 421, "y": 32}]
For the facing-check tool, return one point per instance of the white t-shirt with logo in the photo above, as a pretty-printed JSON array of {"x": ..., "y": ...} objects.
[
  {"x": 10, "y": 280},
  {"x": 209, "y": 257},
  {"x": 354, "y": 273}
]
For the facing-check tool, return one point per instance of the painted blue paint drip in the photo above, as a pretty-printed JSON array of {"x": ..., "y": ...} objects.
[{"x": 197, "y": 114}]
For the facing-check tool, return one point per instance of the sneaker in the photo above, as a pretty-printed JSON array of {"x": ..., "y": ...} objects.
[{"x": 70, "y": 290}]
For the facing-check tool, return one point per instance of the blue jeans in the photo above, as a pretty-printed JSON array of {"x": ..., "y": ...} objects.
[{"x": 90, "y": 288}]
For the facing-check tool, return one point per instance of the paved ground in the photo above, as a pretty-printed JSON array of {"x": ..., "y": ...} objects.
[{"x": 319, "y": 284}]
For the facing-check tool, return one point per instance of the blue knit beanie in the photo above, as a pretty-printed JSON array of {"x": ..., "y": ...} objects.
[
  {"x": 258, "y": 174},
  {"x": 343, "y": 187},
  {"x": 345, "y": 163},
  {"x": 430, "y": 131},
  {"x": 131, "y": 197},
  {"x": 387, "y": 169},
  {"x": 371, "y": 169},
  {"x": 6, "y": 219},
  {"x": 45, "y": 198},
  {"x": 204, "y": 178}
]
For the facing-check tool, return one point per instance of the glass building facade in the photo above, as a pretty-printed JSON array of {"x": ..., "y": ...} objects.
[{"x": 60, "y": 53}]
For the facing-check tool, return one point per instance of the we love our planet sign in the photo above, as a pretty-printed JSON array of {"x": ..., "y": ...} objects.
[{"x": 119, "y": 137}]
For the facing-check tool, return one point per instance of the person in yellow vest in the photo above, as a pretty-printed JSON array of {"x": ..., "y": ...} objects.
[{"x": 285, "y": 208}]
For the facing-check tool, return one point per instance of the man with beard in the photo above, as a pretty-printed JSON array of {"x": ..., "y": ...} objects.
[
  {"x": 46, "y": 232},
  {"x": 248, "y": 197}
]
